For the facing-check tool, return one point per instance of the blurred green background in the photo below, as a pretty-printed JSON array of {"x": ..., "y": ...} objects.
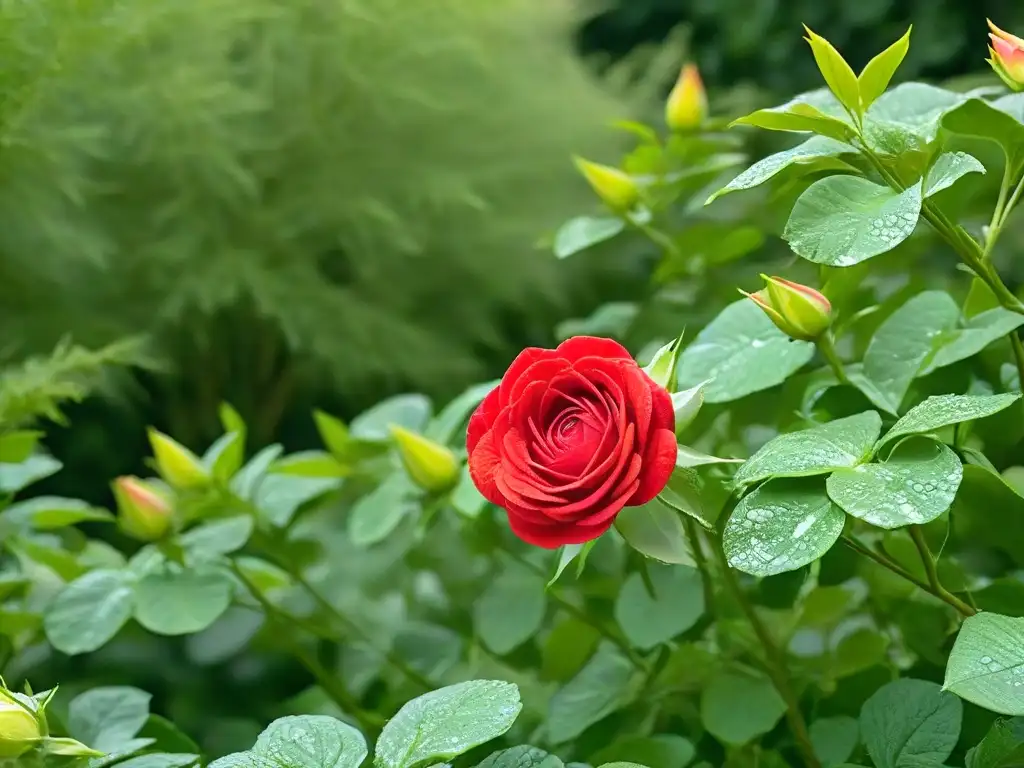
[{"x": 322, "y": 203}]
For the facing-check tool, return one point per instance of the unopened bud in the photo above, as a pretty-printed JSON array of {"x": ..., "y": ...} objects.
[
  {"x": 430, "y": 465},
  {"x": 616, "y": 188},
  {"x": 1007, "y": 57},
  {"x": 20, "y": 730},
  {"x": 798, "y": 311},
  {"x": 177, "y": 464},
  {"x": 687, "y": 104},
  {"x": 143, "y": 512}
]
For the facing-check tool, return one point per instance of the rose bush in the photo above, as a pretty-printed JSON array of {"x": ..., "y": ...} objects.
[{"x": 570, "y": 437}]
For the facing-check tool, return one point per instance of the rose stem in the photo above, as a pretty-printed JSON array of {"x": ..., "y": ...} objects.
[
  {"x": 576, "y": 613},
  {"x": 330, "y": 683},
  {"x": 774, "y": 658},
  {"x": 885, "y": 562},
  {"x": 828, "y": 351},
  {"x": 701, "y": 561},
  {"x": 928, "y": 561}
]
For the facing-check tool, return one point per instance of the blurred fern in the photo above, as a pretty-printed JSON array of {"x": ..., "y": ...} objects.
[
  {"x": 339, "y": 191},
  {"x": 38, "y": 387}
]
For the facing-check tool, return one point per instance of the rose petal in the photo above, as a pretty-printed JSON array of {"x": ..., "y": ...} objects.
[
  {"x": 482, "y": 419},
  {"x": 484, "y": 462},
  {"x": 592, "y": 346},
  {"x": 658, "y": 462},
  {"x": 554, "y": 536},
  {"x": 523, "y": 360}
]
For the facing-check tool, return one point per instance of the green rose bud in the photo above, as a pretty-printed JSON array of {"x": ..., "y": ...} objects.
[
  {"x": 430, "y": 465},
  {"x": 798, "y": 311},
  {"x": 20, "y": 730},
  {"x": 616, "y": 188},
  {"x": 687, "y": 104},
  {"x": 177, "y": 464},
  {"x": 143, "y": 513}
]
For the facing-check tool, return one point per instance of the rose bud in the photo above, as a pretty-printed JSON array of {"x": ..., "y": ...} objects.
[
  {"x": 1007, "y": 52},
  {"x": 20, "y": 730},
  {"x": 430, "y": 465},
  {"x": 798, "y": 311},
  {"x": 568, "y": 438},
  {"x": 143, "y": 513},
  {"x": 616, "y": 188},
  {"x": 687, "y": 104},
  {"x": 177, "y": 464}
]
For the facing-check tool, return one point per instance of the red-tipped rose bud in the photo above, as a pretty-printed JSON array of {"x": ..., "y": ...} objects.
[
  {"x": 143, "y": 513},
  {"x": 687, "y": 104},
  {"x": 798, "y": 311},
  {"x": 616, "y": 188},
  {"x": 1007, "y": 52}
]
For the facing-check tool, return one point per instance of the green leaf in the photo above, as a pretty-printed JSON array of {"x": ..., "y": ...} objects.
[
  {"x": 599, "y": 689},
  {"x": 837, "y": 73},
  {"x": 916, "y": 485},
  {"x": 834, "y": 739},
  {"x": 875, "y": 76},
  {"x": 663, "y": 750},
  {"x": 160, "y": 760},
  {"x": 129, "y": 748},
  {"x": 813, "y": 149},
  {"x": 655, "y": 530},
  {"x": 447, "y": 722},
  {"x": 310, "y": 464},
  {"x": 911, "y": 114},
  {"x": 89, "y": 611},
  {"x": 737, "y": 707},
  {"x": 816, "y": 111},
  {"x": 582, "y": 232},
  {"x": 910, "y": 723},
  {"x": 844, "y": 220},
  {"x": 781, "y": 526},
  {"x": 15, "y": 477},
  {"x": 949, "y": 168},
  {"x": 219, "y": 537},
  {"x": 566, "y": 555},
  {"x": 108, "y": 718},
  {"x": 181, "y": 602},
  {"x": 411, "y": 411},
  {"x": 612, "y": 319},
  {"x": 999, "y": 121},
  {"x": 511, "y": 610},
  {"x": 445, "y": 427},
  {"x": 683, "y": 493},
  {"x": 1003, "y": 746},
  {"x": 977, "y": 333},
  {"x": 379, "y": 512},
  {"x": 278, "y": 497},
  {"x": 523, "y": 756},
  {"x": 678, "y": 601},
  {"x": 742, "y": 352},
  {"x": 50, "y": 512},
  {"x": 18, "y": 445},
  {"x": 986, "y": 665},
  {"x": 687, "y": 457},
  {"x": 225, "y": 456},
  {"x": 247, "y": 480},
  {"x": 940, "y": 411},
  {"x": 988, "y": 512},
  {"x": 466, "y": 499},
  {"x": 687, "y": 404},
  {"x": 304, "y": 741},
  {"x": 816, "y": 451},
  {"x": 905, "y": 340}
]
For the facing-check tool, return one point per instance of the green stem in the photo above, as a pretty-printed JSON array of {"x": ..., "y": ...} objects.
[
  {"x": 330, "y": 684},
  {"x": 701, "y": 561},
  {"x": 774, "y": 658},
  {"x": 1018, "y": 355},
  {"x": 931, "y": 571},
  {"x": 828, "y": 351},
  {"x": 578, "y": 614},
  {"x": 776, "y": 666}
]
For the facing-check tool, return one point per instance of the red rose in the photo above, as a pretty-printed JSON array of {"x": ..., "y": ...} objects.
[{"x": 570, "y": 437}]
